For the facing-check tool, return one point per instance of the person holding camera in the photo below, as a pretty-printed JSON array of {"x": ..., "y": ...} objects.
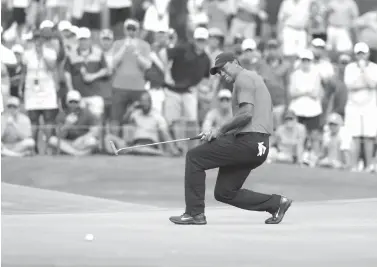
[{"x": 40, "y": 89}]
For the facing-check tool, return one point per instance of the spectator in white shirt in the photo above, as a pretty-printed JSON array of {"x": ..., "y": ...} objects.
[
  {"x": 342, "y": 13},
  {"x": 16, "y": 140},
  {"x": 216, "y": 117},
  {"x": 156, "y": 18},
  {"x": 40, "y": 96},
  {"x": 293, "y": 20},
  {"x": 336, "y": 145},
  {"x": 361, "y": 109},
  {"x": 305, "y": 90}
]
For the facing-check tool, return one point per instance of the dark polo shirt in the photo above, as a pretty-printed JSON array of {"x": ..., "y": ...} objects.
[
  {"x": 188, "y": 67},
  {"x": 80, "y": 123},
  {"x": 94, "y": 62}
]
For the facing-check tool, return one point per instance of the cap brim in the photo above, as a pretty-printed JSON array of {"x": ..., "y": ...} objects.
[{"x": 215, "y": 69}]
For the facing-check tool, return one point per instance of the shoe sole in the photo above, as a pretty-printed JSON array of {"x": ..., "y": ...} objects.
[
  {"x": 188, "y": 223},
  {"x": 282, "y": 216}
]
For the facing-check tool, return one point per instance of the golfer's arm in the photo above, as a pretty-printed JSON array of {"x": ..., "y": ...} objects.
[{"x": 241, "y": 119}]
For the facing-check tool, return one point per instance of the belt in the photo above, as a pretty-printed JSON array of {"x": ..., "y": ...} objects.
[{"x": 256, "y": 134}]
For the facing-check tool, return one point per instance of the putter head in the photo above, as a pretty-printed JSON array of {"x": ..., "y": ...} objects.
[{"x": 113, "y": 147}]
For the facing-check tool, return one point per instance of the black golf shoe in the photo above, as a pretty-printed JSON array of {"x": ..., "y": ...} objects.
[
  {"x": 278, "y": 216},
  {"x": 186, "y": 219}
]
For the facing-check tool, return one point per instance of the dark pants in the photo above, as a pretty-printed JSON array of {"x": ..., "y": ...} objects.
[{"x": 235, "y": 156}]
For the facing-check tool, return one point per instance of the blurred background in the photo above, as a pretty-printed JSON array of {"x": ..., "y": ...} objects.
[{"x": 78, "y": 74}]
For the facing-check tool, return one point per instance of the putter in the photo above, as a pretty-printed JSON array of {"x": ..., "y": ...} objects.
[{"x": 116, "y": 151}]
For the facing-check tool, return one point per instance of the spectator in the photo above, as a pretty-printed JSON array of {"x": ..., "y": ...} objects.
[
  {"x": 119, "y": 12},
  {"x": 40, "y": 96},
  {"x": 289, "y": 140},
  {"x": 326, "y": 70},
  {"x": 190, "y": 73},
  {"x": 293, "y": 19},
  {"x": 336, "y": 148},
  {"x": 131, "y": 59},
  {"x": 249, "y": 54},
  {"x": 280, "y": 70},
  {"x": 219, "y": 13},
  {"x": 68, "y": 35},
  {"x": 318, "y": 20},
  {"x": 245, "y": 19},
  {"x": 91, "y": 17},
  {"x": 84, "y": 69},
  {"x": 198, "y": 16},
  {"x": 216, "y": 117},
  {"x": 78, "y": 129},
  {"x": 342, "y": 13},
  {"x": 341, "y": 92},
  {"x": 148, "y": 126},
  {"x": 17, "y": 71},
  {"x": 106, "y": 44},
  {"x": 215, "y": 43},
  {"x": 16, "y": 140},
  {"x": 366, "y": 30},
  {"x": 57, "y": 10},
  {"x": 160, "y": 69},
  {"x": 361, "y": 80},
  {"x": 5, "y": 84},
  {"x": 306, "y": 102},
  {"x": 156, "y": 18}
]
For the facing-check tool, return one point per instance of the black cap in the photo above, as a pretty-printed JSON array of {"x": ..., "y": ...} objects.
[{"x": 221, "y": 60}]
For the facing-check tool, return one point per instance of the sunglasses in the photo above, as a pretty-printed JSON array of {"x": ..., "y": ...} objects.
[
  {"x": 12, "y": 106},
  {"x": 131, "y": 28},
  {"x": 73, "y": 102},
  {"x": 224, "y": 99}
]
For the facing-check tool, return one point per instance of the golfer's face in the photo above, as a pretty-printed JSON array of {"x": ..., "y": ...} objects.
[{"x": 226, "y": 72}]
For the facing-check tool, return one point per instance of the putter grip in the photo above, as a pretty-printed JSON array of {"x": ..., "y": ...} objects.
[{"x": 196, "y": 137}]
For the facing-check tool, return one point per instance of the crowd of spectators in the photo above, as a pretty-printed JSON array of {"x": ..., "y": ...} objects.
[{"x": 70, "y": 84}]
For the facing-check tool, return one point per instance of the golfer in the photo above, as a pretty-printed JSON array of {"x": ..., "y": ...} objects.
[{"x": 236, "y": 148}]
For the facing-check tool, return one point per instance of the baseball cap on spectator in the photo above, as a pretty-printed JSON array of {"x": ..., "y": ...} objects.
[
  {"x": 221, "y": 60},
  {"x": 272, "y": 43},
  {"x": 224, "y": 93},
  {"x": 17, "y": 48},
  {"x": 64, "y": 25},
  {"x": 131, "y": 24},
  {"x": 46, "y": 24},
  {"x": 201, "y": 33},
  {"x": 73, "y": 96},
  {"x": 248, "y": 44},
  {"x": 106, "y": 34},
  {"x": 13, "y": 101},
  {"x": 361, "y": 48},
  {"x": 75, "y": 29},
  {"x": 83, "y": 33},
  {"x": 215, "y": 32},
  {"x": 335, "y": 118},
  {"x": 306, "y": 54},
  {"x": 318, "y": 42}
]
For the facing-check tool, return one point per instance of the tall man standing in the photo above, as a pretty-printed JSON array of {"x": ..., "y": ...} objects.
[{"x": 236, "y": 148}]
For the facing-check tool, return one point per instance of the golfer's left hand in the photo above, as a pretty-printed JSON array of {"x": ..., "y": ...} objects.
[{"x": 211, "y": 135}]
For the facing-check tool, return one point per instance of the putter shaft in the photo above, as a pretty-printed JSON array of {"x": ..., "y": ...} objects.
[{"x": 152, "y": 144}]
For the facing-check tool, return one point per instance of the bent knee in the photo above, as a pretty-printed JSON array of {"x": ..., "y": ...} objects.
[{"x": 224, "y": 195}]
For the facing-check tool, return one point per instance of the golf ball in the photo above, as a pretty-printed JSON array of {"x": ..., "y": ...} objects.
[{"x": 89, "y": 237}]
